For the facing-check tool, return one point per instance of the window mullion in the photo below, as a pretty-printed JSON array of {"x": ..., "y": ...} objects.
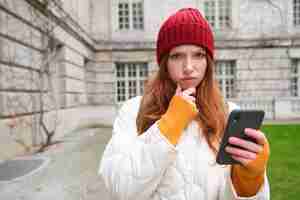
[
  {"x": 116, "y": 83},
  {"x": 224, "y": 88},
  {"x": 126, "y": 81},
  {"x": 130, "y": 15},
  {"x": 138, "y": 79},
  {"x": 224, "y": 78},
  {"x": 216, "y": 9}
]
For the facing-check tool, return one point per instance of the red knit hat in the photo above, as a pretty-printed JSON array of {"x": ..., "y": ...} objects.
[{"x": 186, "y": 26}]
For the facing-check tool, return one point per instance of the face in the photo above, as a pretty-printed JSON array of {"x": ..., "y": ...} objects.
[{"x": 187, "y": 65}]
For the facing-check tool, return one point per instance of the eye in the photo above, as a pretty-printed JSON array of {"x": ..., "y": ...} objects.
[
  {"x": 200, "y": 55},
  {"x": 174, "y": 56}
]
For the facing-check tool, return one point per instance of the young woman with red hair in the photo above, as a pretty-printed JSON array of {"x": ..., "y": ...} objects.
[{"x": 164, "y": 144}]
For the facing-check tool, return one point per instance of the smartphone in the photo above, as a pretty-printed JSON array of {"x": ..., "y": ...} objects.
[{"x": 237, "y": 122}]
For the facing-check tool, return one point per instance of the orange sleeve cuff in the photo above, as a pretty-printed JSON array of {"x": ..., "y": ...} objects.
[
  {"x": 179, "y": 114},
  {"x": 247, "y": 180}
]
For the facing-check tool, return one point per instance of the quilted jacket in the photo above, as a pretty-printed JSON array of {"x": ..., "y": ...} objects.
[{"x": 149, "y": 167}]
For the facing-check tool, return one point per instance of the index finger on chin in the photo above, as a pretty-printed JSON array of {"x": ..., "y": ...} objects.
[{"x": 178, "y": 89}]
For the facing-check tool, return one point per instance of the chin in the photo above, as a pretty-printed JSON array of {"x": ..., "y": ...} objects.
[{"x": 186, "y": 86}]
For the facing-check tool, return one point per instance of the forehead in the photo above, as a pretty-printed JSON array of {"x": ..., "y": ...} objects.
[{"x": 186, "y": 48}]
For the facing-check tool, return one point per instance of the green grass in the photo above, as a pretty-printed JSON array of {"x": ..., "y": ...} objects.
[{"x": 284, "y": 163}]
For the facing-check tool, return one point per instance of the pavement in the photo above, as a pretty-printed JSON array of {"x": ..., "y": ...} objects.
[{"x": 68, "y": 173}]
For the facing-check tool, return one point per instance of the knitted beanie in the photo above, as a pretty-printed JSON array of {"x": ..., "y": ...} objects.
[{"x": 186, "y": 26}]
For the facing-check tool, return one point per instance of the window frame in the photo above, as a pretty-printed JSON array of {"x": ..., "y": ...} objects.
[
  {"x": 217, "y": 25},
  {"x": 140, "y": 15},
  {"x": 123, "y": 23},
  {"x": 137, "y": 76},
  {"x": 296, "y": 13},
  {"x": 295, "y": 75},
  {"x": 223, "y": 76}
]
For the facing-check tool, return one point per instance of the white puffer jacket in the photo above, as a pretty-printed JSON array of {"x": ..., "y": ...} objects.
[{"x": 149, "y": 167}]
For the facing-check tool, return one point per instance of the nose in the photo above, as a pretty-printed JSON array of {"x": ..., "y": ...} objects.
[{"x": 188, "y": 65}]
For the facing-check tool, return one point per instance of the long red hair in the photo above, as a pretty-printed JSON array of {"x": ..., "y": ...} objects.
[{"x": 160, "y": 89}]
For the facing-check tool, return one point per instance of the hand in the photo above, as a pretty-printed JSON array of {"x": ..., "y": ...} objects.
[
  {"x": 248, "y": 177},
  {"x": 181, "y": 111},
  {"x": 187, "y": 94},
  {"x": 250, "y": 149}
]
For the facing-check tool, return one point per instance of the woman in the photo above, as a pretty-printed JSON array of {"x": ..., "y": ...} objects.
[{"x": 164, "y": 144}]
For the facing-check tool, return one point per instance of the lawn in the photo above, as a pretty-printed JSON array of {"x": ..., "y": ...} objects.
[{"x": 284, "y": 163}]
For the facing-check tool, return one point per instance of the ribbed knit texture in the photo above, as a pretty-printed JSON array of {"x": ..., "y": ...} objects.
[
  {"x": 179, "y": 114},
  {"x": 186, "y": 26},
  {"x": 248, "y": 180}
]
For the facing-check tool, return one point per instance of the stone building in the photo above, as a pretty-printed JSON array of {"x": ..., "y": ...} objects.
[
  {"x": 95, "y": 54},
  {"x": 257, "y": 49}
]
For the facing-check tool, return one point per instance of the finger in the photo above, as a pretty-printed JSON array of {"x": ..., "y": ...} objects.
[
  {"x": 248, "y": 145},
  {"x": 178, "y": 89},
  {"x": 191, "y": 99},
  {"x": 190, "y": 91},
  {"x": 187, "y": 95},
  {"x": 257, "y": 135},
  {"x": 241, "y": 153},
  {"x": 242, "y": 160}
]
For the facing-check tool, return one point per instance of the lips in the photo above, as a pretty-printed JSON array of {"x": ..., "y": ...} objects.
[{"x": 188, "y": 78}]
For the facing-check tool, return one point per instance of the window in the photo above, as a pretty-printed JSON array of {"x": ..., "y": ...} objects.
[
  {"x": 137, "y": 15},
  {"x": 131, "y": 15},
  {"x": 296, "y": 13},
  {"x": 130, "y": 80},
  {"x": 226, "y": 76},
  {"x": 123, "y": 16},
  {"x": 294, "y": 80},
  {"x": 218, "y": 13}
]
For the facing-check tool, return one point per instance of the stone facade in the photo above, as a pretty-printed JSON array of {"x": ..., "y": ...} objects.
[
  {"x": 87, "y": 43},
  {"x": 262, "y": 41},
  {"x": 54, "y": 39}
]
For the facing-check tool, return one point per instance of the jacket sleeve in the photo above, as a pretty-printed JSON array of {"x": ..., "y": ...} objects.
[{"x": 132, "y": 166}]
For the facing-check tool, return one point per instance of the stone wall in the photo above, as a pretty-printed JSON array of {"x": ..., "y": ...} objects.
[{"x": 25, "y": 36}]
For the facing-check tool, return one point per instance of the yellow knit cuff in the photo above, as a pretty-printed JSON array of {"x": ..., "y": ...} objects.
[
  {"x": 179, "y": 114},
  {"x": 248, "y": 179},
  {"x": 246, "y": 187}
]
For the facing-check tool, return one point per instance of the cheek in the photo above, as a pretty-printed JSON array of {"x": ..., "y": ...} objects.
[
  {"x": 174, "y": 74},
  {"x": 202, "y": 70}
]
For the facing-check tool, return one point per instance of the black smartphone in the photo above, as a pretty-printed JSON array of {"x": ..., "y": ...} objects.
[{"x": 238, "y": 120}]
